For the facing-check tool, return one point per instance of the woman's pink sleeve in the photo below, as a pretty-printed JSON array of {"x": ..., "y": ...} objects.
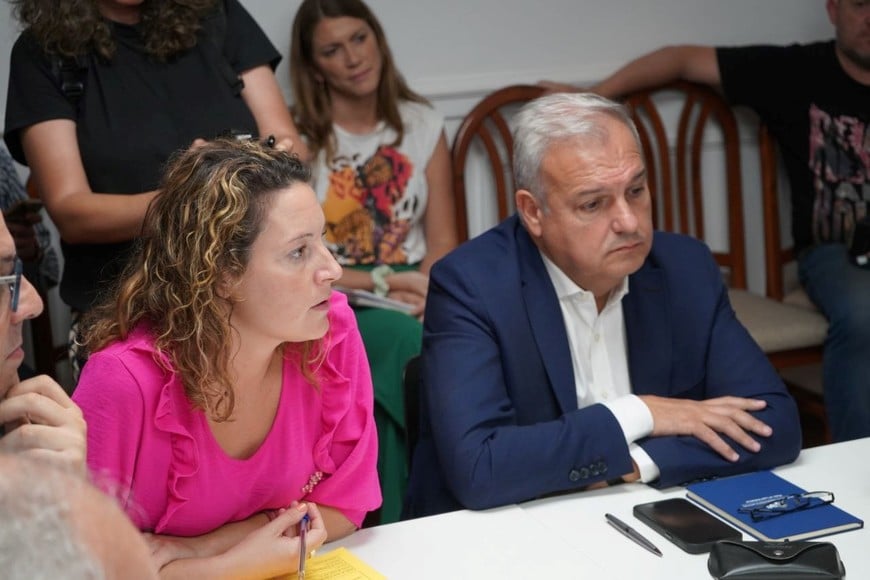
[
  {"x": 350, "y": 455},
  {"x": 112, "y": 403}
]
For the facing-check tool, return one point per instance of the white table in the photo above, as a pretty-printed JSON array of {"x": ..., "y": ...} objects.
[{"x": 568, "y": 537}]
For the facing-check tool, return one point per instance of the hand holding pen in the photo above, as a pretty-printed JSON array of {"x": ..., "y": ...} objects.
[
  {"x": 303, "y": 549},
  {"x": 311, "y": 533},
  {"x": 274, "y": 549}
]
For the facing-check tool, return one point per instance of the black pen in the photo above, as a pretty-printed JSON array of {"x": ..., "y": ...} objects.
[{"x": 631, "y": 533}]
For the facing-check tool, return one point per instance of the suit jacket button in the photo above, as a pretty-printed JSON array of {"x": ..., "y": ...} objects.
[
  {"x": 602, "y": 467},
  {"x": 574, "y": 475},
  {"x": 595, "y": 468},
  {"x": 584, "y": 473}
]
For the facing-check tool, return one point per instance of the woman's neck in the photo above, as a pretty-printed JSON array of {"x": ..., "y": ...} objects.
[
  {"x": 355, "y": 115},
  {"x": 251, "y": 366}
]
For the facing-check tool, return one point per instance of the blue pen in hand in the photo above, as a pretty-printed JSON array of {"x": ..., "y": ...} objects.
[{"x": 303, "y": 551}]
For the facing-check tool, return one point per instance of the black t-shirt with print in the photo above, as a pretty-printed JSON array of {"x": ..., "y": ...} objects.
[{"x": 819, "y": 116}]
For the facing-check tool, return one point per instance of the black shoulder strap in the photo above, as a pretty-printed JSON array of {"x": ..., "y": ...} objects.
[{"x": 71, "y": 73}]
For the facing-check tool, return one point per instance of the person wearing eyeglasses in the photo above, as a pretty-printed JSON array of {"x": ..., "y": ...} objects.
[{"x": 36, "y": 416}]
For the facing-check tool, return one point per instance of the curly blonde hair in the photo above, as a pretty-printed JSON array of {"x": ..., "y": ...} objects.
[
  {"x": 71, "y": 28},
  {"x": 197, "y": 236},
  {"x": 312, "y": 107}
]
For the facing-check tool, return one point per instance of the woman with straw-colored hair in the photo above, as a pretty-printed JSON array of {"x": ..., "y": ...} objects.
[{"x": 382, "y": 174}]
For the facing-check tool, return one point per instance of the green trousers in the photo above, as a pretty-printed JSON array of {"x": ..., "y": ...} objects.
[{"x": 391, "y": 339}]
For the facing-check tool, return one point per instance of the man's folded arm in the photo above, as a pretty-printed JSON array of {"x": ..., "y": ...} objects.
[
  {"x": 488, "y": 458},
  {"x": 736, "y": 366}
]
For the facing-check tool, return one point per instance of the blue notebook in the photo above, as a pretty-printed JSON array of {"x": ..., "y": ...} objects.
[{"x": 724, "y": 497}]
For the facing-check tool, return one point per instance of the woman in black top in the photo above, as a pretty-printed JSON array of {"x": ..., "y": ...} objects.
[{"x": 101, "y": 93}]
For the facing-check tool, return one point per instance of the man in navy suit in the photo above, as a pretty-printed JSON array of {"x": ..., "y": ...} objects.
[{"x": 571, "y": 347}]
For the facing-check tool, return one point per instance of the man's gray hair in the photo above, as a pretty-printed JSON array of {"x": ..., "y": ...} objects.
[
  {"x": 556, "y": 119},
  {"x": 38, "y": 537}
]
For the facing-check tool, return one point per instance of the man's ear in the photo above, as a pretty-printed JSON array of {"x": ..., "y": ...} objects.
[{"x": 530, "y": 211}]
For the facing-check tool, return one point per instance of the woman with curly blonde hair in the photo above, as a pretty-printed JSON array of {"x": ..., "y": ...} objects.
[
  {"x": 102, "y": 92},
  {"x": 226, "y": 380}
]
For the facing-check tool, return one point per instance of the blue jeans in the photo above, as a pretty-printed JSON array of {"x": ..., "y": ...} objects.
[{"x": 841, "y": 291}]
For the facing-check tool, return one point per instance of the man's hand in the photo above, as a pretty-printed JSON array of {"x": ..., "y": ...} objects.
[
  {"x": 706, "y": 420},
  {"x": 42, "y": 420}
]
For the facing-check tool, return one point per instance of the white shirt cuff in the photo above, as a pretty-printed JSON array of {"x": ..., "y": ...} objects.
[
  {"x": 636, "y": 421},
  {"x": 633, "y": 416},
  {"x": 648, "y": 470}
]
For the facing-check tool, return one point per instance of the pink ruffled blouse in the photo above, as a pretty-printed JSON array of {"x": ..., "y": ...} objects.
[{"x": 157, "y": 453}]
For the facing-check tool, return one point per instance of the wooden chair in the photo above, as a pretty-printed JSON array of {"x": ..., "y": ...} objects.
[
  {"x": 686, "y": 130},
  {"x": 691, "y": 143},
  {"x": 486, "y": 125}
]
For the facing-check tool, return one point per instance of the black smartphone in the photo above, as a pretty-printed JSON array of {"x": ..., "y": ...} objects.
[
  {"x": 685, "y": 524},
  {"x": 22, "y": 207}
]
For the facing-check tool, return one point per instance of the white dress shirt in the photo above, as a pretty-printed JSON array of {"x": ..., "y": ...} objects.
[{"x": 599, "y": 356}]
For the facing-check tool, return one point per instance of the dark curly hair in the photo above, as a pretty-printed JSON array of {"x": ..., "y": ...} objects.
[{"x": 71, "y": 28}]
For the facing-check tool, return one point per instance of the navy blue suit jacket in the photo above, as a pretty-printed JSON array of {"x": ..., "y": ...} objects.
[{"x": 500, "y": 422}]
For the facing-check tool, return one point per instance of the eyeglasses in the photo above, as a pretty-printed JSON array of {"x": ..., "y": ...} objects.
[
  {"x": 776, "y": 505},
  {"x": 14, "y": 282}
]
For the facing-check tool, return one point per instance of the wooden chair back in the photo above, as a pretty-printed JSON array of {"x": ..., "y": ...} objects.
[
  {"x": 685, "y": 130},
  {"x": 776, "y": 255},
  {"x": 487, "y": 126}
]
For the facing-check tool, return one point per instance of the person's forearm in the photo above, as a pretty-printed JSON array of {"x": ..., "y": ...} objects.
[
  {"x": 435, "y": 252},
  {"x": 212, "y": 567},
  {"x": 89, "y": 218},
  {"x": 671, "y": 63},
  {"x": 228, "y": 535},
  {"x": 80, "y": 214},
  {"x": 266, "y": 102},
  {"x": 210, "y": 549},
  {"x": 359, "y": 279},
  {"x": 337, "y": 524}
]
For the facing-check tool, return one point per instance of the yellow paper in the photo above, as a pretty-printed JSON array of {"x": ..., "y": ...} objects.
[{"x": 338, "y": 564}]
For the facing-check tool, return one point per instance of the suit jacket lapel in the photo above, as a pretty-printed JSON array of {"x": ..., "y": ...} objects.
[
  {"x": 545, "y": 318},
  {"x": 648, "y": 331}
]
